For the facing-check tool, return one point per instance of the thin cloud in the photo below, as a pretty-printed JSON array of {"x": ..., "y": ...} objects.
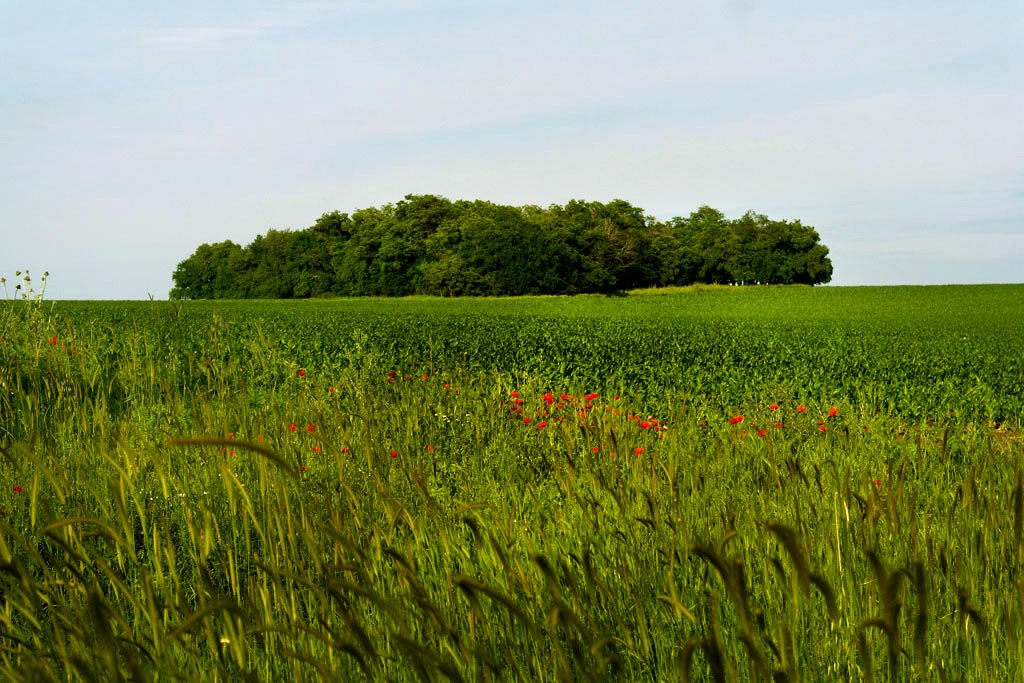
[
  {"x": 200, "y": 36},
  {"x": 288, "y": 16}
]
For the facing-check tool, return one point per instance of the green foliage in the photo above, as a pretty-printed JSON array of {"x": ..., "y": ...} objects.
[
  {"x": 929, "y": 352},
  {"x": 429, "y": 245},
  {"x": 707, "y": 484}
]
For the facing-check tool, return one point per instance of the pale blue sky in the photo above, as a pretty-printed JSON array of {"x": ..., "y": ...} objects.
[{"x": 132, "y": 132}]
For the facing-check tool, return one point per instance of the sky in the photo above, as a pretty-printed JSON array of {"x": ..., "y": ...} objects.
[{"x": 132, "y": 132}]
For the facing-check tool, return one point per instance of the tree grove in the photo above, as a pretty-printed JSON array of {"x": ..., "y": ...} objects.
[{"x": 426, "y": 244}]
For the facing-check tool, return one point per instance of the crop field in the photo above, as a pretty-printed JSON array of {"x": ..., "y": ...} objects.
[{"x": 724, "y": 484}]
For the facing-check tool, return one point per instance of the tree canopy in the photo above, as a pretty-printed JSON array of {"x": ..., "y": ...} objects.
[{"x": 426, "y": 244}]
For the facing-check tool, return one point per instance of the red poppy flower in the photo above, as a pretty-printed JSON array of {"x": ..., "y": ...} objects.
[
  {"x": 595, "y": 449},
  {"x": 346, "y": 449},
  {"x": 302, "y": 373},
  {"x": 514, "y": 394},
  {"x": 833, "y": 411},
  {"x": 878, "y": 482},
  {"x": 645, "y": 425},
  {"x": 548, "y": 398},
  {"x": 53, "y": 341},
  {"x": 426, "y": 376},
  {"x": 736, "y": 420},
  {"x": 638, "y": 450},
  {"x": 761, "y": 432},
  {"x": 231, "y": 435},
  {"x": 392, "y": 374},
  {"x": 822, "y": 428},
  {"x": 542, "y": 424},
  {"x": 430, "y": 447},
  {"x": 394, "y": 454},
  {"x": 773, "y": 406},
  {"x": 801, "y": 409},
  {"x": 311, "y": 428},
  {"x": 591, "y": 397},
  {"x": 17, "y": 488},
  {"x": 293, "y": 428},
  {"x": 330, "y": 390},
  {"x": 316, "y": 448},
  {"x": 302, "y": 468},
  {"x": 526, "y": 420},
  {"x": 778, "y": 425}
]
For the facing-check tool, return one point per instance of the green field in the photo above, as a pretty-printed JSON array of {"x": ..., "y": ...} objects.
[{"x": 705, "y": 484}]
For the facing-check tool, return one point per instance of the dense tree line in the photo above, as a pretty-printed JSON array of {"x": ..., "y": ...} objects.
[{"x": 426, "y": 244}]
